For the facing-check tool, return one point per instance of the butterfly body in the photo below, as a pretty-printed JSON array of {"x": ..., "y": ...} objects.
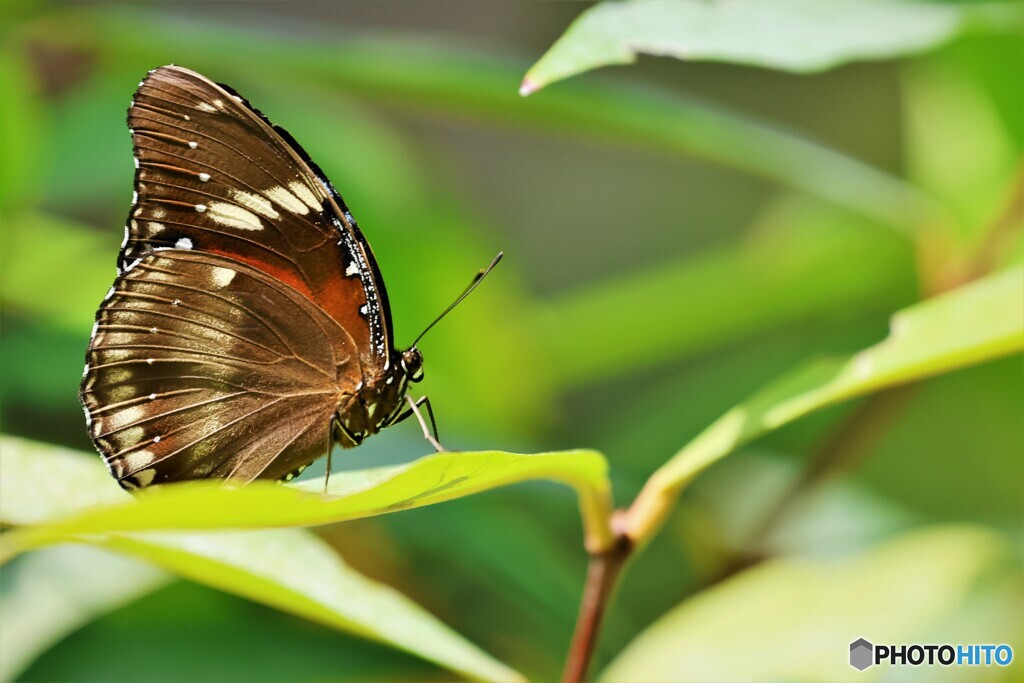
[
  {"x": 249, "y": 327},
  {"x": 379, "y": 399}
]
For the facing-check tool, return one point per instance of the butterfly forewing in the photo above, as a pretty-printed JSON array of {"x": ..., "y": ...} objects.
[
  {"x": 214, "y": 176},
  {"x": 201, "y": 365}
]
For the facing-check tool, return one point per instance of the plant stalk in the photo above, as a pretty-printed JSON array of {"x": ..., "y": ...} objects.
[{"x": 603, "y": 572}]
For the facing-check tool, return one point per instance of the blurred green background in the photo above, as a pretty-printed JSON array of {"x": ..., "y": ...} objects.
[{"x": 673, "y": 241}]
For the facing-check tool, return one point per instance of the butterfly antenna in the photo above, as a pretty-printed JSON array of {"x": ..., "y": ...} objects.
[{"x": 477, "y": 279}]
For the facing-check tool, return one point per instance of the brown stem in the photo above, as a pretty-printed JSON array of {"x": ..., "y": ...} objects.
[{"x": 602, "y": 572}]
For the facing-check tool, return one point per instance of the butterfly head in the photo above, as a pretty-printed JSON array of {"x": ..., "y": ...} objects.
[{"x": 412, "y": 364}]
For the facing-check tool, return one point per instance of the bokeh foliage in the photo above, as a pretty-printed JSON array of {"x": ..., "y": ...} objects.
[{"x": 666, "y": 258}]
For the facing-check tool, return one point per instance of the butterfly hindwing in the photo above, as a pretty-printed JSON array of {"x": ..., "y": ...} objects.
[{"x": 201, "y": 365}]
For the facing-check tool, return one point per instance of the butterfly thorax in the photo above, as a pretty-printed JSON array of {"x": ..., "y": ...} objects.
[{"x": 379, "y": 400}]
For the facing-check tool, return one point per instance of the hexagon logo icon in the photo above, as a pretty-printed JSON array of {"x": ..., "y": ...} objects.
[{"x": 861, "y": 654}]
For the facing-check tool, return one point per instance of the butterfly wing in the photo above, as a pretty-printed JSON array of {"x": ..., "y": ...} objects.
[
  {"x": 202, "y": 366},
  {"x": 214, "y": 175}
]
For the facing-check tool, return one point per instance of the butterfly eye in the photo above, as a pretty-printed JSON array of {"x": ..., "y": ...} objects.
[{"x": 417, "y": 376}]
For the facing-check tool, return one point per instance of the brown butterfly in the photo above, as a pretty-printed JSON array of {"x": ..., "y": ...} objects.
[{"x": 249, "y": 328}]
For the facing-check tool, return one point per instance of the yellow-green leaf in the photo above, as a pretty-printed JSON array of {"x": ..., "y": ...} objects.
[
  {"x": 28, "y": 497},
  {"x": 793, "y": 619},
  {"x": 977, "y": 322},
  {"x": 62, "y": 495},
  {"x": 294, "y": 571}
]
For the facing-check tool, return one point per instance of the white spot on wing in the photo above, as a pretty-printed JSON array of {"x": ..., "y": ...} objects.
[
  {"x": 222, "y": 277},
  {"x": 118, "y": 354},
  {"x": 353, "y": 269},
  {"x": 203, "y": 177},
  {"x": 145, "y": 477},
  {"x": 201, "y": 208},
  {"x": 287, "y": 200},
  {"x": 234, "y": 216},
  {"x": 183, "y": 243},
  {"x": 255, "y": 202},
  {"x": 302, "y": 191},
  {"x": 122, "y": 393},
  {"x": 134, "y": 461},
  {"x": 193, "y": 144},
  {"x": 156, "y": 227},
  {"x": 205, "y": 106},
  {"x": 128, "y": 415}
]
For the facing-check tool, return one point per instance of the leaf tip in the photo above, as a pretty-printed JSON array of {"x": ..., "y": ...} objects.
[{"x": 528, "y": 87}]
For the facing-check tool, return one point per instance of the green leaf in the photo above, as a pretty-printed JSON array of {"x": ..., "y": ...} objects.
[
  {"x": 793, "y": 619},
  {"x": 290, "y": 569},
  {"x": 51, "y": 593},
  {"x": 28, "y": 498},
  {"x": 978, "y": 322},
  {"x": 727, "y": 293},
  {"x": 800, "y": 36},
  {"x": 294, "y": 571}
]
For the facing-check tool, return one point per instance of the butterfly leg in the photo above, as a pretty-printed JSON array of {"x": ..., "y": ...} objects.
[
  {"x": 330, "y": 449},
  {"x": 414, "y": 409},
  {"x": 332, "y": 439},
  {"x": 400, "y": 417}
]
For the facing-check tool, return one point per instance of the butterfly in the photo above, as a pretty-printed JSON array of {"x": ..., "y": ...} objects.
[{"x": 248, "y": 329}]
